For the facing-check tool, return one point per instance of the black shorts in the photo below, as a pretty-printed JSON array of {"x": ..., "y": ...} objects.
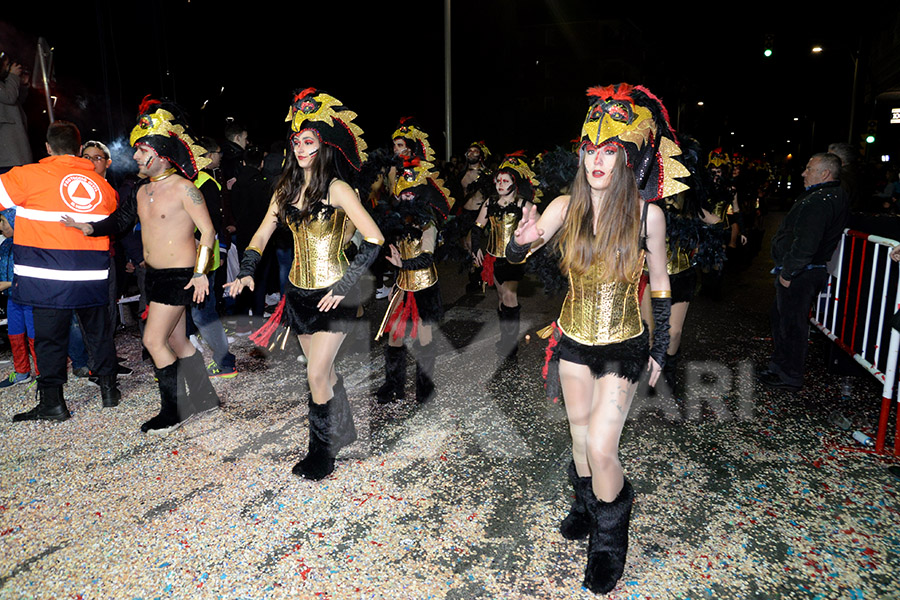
[
  {"x": 506, "y": 271},
  {"x": 166, "y": 286},
  {"x": 626, "y": 359},
  {"x": 683, "y": 285}
]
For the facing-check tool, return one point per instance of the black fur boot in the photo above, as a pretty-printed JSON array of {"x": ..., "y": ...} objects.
[
  {"x": 670, "y": 369},
  {"x": 508, "y": 346},
  {"x": 578, "y": 522},
  {"x": 608, "y": 542},
  {"x": 394, "y": 375},
  {"x": 330, "y": 429},
  {"x": 51, "y": 407},
  {"x": 170, "y": 417},
  {"x": 424, "y": 372},
  {"x": 203, "y": 396},
  {"x": 344, "y": 428}
]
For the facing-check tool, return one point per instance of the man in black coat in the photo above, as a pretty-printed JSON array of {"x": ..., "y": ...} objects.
[{"x": 801, "y": 247}]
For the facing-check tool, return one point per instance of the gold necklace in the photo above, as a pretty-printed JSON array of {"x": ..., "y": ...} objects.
[{"x": 164, "y": 175}]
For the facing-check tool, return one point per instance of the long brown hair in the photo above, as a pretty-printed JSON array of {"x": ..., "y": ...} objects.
[
  {"x": 292, "y": 179},
  {"x": 617, "y": 240}
]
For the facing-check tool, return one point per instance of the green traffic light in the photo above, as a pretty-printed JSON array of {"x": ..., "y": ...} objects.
[
  {"x": 870, "y": 139},
  {"x": 767, "y": 52}
]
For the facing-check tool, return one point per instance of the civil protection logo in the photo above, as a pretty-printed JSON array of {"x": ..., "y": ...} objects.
[{"x": 80, "y": 193}]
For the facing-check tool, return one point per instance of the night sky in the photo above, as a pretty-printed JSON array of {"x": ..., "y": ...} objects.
[{"x": 520, "y": 67}]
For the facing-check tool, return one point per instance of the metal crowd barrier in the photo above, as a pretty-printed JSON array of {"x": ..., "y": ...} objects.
[{"x": 855, "y": 309}]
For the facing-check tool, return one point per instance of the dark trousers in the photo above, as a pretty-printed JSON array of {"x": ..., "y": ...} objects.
[
  {"x": 790, "y": 323},
  {"x": 51, "y": 342}
]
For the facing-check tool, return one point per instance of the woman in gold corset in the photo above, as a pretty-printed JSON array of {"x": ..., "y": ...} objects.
[
  {"x": 497, "y": 220},
  {"x": 415, "y": 306},
  {"x": 605, "y": 230},
  {"x": 322, "y": 299}
]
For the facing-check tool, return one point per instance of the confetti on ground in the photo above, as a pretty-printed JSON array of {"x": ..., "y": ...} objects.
[{"x": 753, "y": 494}]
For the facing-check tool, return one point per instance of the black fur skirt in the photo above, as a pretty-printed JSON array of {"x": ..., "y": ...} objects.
[
  {"x": 626, "y": 359},
  {"x": 427, "y": 304},
  {"x": 499, "y": 270},
  {"x": 506, "y": 271},
  {"x": 683, "y": 285},
  {"x": 166, "y": 286},
  {"x": 304, "y": 317}
]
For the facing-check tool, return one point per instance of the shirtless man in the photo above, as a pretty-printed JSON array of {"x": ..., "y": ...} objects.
[
  {"x": 169, "y": 207},
  {"x": 473, "y": 200},
  {"x": 475, "y": 156}
]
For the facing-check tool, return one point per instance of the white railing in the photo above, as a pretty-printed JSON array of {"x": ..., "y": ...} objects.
[{"x": 854, "y": 311}]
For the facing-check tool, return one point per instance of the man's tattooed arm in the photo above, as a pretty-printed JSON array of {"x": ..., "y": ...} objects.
[{"x": 195, "y": 195}]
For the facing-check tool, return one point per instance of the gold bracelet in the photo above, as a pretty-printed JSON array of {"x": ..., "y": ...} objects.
[
  {"x": 204, "y": 259},
  {"x": 661, "y": 293},
  {"x": 259, "y": 250},
  {"x": 375, "y": 241}
]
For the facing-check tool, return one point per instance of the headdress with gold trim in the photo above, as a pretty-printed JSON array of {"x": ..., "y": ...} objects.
[
  {"x": 636, "y": 120},
  {"x": 162, "y": 126},
  {"x": 482, "y": 147},
  {"x": 717, "y": 158},
  {"x": 526, "y": 182},
  {"x": 421, "y": 178},
  {"x": 315, "y": 110},
  {"x": 416, "y": 139}
]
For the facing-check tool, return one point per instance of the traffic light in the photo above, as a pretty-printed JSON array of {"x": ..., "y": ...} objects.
[
  {"x": 871, "y": 130},
  {"x": 769, "y": 45}
]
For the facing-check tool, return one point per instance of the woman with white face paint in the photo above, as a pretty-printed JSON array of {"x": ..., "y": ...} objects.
[
  {"x": 321, "y": 300},
  {"x": 516, "y": 191}
]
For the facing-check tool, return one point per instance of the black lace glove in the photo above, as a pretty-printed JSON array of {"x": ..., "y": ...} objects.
[
  {"x": 367, "y": 254},
  {"x": 422, "y": 261},
  {"x": 477, "y": 235},
  {"x": 662, "y": 310},
  {"x": 517, "y": 254},
  {"x": 248, "y": 263}
]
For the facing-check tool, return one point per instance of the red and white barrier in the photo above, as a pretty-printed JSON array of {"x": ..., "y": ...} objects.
[{"x": 854, "y": 311}]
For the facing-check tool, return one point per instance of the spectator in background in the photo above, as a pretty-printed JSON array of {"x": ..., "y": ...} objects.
[
  {"x": 249, "y": 205},
  {"x": 14, "y": 147},
  {"x": 233, "y": 152},
  {"x": 204, "y": 315},
  {"x": 802, "y": 245},
  {"x": 20, "y": 325},
  {"x": 849, "y": 175}
]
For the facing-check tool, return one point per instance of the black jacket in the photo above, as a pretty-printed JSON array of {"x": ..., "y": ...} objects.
[{"x": 811, "y": 230}]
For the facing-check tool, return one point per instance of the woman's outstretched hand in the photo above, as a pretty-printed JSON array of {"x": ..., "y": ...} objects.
[{"x": 527, "y": 231}]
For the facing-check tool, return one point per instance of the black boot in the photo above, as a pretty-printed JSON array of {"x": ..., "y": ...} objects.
[
  {"x": 109, "y": 391},
  {"x": 203, "y": 396},
  {"x": 344, "y": 429},
  {"x": 608, "y": 543},
  {"x": 670, "y": 368},
  {"x": 319, "y": 461},
  {"x": 424, "y": 373},
  {"x": 508, "y": 346},
  {"x": 394, "y": 375},
  {"x": 51, "y": 407},
  {"x": 170, "y": 417},
  {"x": 577, "y": 523}
]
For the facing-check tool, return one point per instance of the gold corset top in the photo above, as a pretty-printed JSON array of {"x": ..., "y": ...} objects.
[
  {"x": 319, "y": 259},
  {"x": 598, "y": 311},
  {"x": 677, "y": 260},
  {"x": 503, "y": 226},
  {"x": 416, "y": 279}
]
